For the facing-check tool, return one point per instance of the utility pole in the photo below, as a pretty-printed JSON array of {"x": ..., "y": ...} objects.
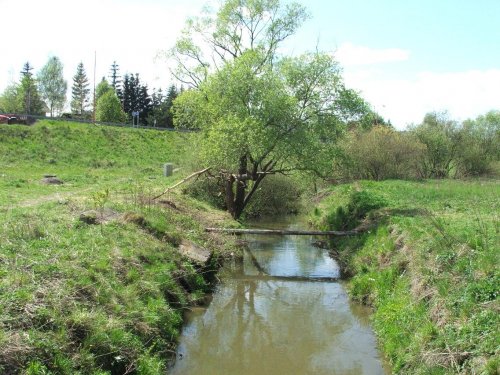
[{"x": 95, "y": 63}]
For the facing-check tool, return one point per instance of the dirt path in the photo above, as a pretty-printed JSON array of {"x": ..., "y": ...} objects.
[{"x": 46, "y": 198}]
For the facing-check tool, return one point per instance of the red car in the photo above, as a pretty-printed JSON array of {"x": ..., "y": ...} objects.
[{"x": 7, "y": 119}]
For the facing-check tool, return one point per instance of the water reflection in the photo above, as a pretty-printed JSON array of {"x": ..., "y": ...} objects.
[{"x": 279, "y": 327}]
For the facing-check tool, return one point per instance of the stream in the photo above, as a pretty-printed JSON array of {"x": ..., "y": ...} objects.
[{"x": 280, "y": 312}]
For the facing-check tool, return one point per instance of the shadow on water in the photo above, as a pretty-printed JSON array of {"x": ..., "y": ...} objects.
[{"x": 279, "y": 312}]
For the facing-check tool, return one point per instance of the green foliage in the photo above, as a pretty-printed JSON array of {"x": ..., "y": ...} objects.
[
  {"x": 458, "y": 150},
  {"x": 135, "y": 97},
  {"x": 361, "y": 202},
  {"x": 207, "y": 190},
  {"x": 102, "y": 88},
  {"x": 52, "y": 84},
  {"x": 437, "y": 148},
  {"x": 428, "y": 266},
  {"x": 109, "y": 109},
  {"x": 259, "y": 114},
  {"x": 479, "y": 144},
  {"x": 278, "y": 195},
  {"x": 80, "y": 91},
  {"x": 23, "y": 97},
  {"x": 9, "y": 102},
  {"x": 379, "y": 153}
]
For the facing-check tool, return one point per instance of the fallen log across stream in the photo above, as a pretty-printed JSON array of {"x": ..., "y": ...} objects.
[
  {"x": 284, "y": 232},
  {"x": 261, "y": 277}
]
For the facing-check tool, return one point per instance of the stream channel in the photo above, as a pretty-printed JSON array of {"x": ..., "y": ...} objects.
[{"x": 280, "y": 312}]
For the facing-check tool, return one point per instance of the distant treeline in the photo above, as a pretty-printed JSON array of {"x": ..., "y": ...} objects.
[
  {"x": 439, "y": 147},
  {"x": 116, "y": 100}
]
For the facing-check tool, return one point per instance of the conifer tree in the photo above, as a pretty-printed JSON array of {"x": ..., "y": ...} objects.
[
  {"x": 27, "y": 93},
  {"x": 115, "y": 77},
  {"x": 80, "y": 91},
  {"x": 135, "y": 97}
]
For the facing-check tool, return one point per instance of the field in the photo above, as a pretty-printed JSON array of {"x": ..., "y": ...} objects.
[
  {"x": 428, "y": 264},
  {"x": 91, "y": 281}
]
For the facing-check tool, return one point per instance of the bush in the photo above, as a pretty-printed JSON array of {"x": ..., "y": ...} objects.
[
  {"x": 439, "y": 135},
  {"x": 381, "y": 153},
  {"x": 208, "y": 190},
  {"x": 479, "y": 145},
  {"x": 109, "y": 108},
  {"x": 276, "y": 195},
  {"x": 360, "y": 204}
]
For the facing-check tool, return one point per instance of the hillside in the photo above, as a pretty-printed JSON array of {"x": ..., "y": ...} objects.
[
  {"x": 428, "y": 265},
  {"x": 91, "y": 281}
]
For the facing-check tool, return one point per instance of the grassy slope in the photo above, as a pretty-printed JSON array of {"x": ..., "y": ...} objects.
[
  {"x": 83, "y": 298},
  {"x": 429, "y": 267}
]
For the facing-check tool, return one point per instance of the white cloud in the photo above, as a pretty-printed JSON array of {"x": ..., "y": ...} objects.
[
  {"x": 464, "y": 94},
  {"x": 349, "y": 54}
]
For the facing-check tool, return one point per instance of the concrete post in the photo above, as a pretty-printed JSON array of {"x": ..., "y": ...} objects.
[{"x": 168, "y": 169}]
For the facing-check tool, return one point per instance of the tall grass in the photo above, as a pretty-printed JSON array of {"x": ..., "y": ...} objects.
[
  {"x": 428, "y": 265},
  {"x": 80, "y": 298}
]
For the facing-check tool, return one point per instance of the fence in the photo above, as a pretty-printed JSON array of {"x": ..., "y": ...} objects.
[{"x": 30, "y": 119}]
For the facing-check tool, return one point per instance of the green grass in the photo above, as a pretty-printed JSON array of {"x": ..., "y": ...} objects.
[
  {"x": 83, "y": 156},
  {"x": 428, "y": 264},
  {"x": 79, "y": 298}
]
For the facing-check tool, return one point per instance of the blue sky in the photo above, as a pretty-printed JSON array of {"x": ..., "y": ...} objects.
[{"x": 405, "y": 57}]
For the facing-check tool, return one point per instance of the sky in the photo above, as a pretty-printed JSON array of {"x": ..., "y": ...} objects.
[{"x": 405, "y": 57}]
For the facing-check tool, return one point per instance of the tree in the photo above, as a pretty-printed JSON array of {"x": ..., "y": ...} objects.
[
  {"x": 115, "y": 78},
  {"x": 9, "y": 102},
  {"x": 479, "y": 144},
  {"x": 28, "y": 94},
  {"x": 102, "y": 88},
  {"x": 80, "y": 91},
  {"x": 52, "y": 85},
  {"x": 260, "y": 115},
  {"x": 135, "y": 97},
  {"x": 440, "y": 136},
  {"x": 168, "y": 118},
  {"x": 109, "y": 108},
  {"x": 23, "y": 97}
]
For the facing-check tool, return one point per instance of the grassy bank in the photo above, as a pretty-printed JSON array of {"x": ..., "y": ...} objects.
[
  {"x": 91, "y": 280},
  {"x": 428, "y": 264}
]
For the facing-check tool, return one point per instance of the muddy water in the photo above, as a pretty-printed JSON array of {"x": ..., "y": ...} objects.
[{"x": 279, "y": 313}]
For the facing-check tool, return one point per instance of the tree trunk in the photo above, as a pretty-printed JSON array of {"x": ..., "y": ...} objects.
[{"x": 229, "y": 194}]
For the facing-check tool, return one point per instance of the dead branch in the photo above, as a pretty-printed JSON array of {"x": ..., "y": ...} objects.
[{"x": 182, "y": 181}]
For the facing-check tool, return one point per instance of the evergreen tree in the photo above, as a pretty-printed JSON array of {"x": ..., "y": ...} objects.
[
  {"x": 169, "y": 102},
  {"x": 27, "y": 93},
  {"x": 144, "y": 103},
  {"x": 135, "y": 97},
  {"x": 80, "y": 91},
  {"x": 156, "y": 101},
  {"x": 115, "y": 77},
  {"x": 127, "y": 94}
]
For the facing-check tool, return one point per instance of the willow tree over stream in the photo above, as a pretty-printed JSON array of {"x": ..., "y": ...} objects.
[{"x": 259, "y": 113}]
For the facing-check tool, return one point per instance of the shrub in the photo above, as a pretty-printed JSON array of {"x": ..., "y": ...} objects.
[
  {"x": 360, "y": 204},
  {"x": 277, "y": 195},
  {"x": 479, "y": 144},
  {"x": 109, "y": 108},
  {"x": 380, "y": 153}
]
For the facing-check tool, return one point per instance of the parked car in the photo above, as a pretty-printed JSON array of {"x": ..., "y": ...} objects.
[
  {"x": 4, "y": 119},
  {"x": 8, "y": 119}
]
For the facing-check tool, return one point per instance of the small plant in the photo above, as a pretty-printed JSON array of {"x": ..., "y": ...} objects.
[{"x": 99, "y": 200}]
